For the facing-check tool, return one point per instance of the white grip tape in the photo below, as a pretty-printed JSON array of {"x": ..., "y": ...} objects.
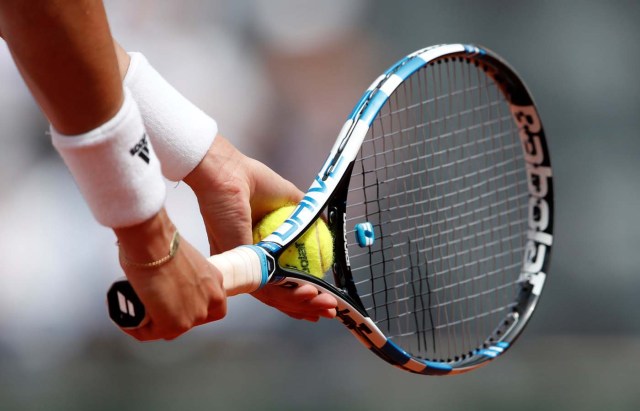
[{"x": 244, "y": 269}]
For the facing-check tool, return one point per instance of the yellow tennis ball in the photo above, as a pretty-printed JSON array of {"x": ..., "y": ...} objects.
[{"x": 312, "y": 253}]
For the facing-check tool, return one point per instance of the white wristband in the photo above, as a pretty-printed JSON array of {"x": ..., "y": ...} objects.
[
  {"x": 116, "y": 168},
  {"x": 181, "y": 132}
]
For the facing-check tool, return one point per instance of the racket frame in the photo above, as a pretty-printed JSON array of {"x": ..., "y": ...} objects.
[{"x": 329, "y": 191}]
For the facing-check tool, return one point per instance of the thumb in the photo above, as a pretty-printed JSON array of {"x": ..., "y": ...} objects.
[
  {"x": 270, "y": 191},
  {"x": 228, "y": 224}
]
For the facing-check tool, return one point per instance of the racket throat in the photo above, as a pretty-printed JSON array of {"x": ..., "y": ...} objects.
[{"x": 337, "y": 219}]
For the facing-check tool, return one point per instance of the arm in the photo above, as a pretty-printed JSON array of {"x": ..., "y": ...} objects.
[
  {"x": 233, "y": 190},
  {"x": 65, "y": 54}
]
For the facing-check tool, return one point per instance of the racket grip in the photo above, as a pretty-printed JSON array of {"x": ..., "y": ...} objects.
[{"x": 244, "y": 270}]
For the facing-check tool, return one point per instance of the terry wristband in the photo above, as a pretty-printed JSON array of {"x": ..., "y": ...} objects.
[
  {"x": 181, "y": 132},
  {"x": 115, "y": 168}
]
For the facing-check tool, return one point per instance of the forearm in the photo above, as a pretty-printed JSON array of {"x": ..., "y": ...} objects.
[
  {"x": 146, "y": 241},
  {"x": 65, "y": 55}
]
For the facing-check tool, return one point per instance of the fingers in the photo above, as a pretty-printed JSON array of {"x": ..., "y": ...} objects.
[
  {"x": 302, "y": 303},
  {"x": 178, "y": 295},
  {"x": 153, "y": 331},
  {"x": 290, "y": 298},
  {"x": 329, "y": 314},
  {"x": 164, "y": 328}
]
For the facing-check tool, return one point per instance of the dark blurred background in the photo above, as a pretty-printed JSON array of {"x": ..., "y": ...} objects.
[{"x": 286, "y": 74}]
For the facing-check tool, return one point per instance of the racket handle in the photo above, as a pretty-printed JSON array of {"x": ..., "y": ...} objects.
[{"x": 244, "y": 270}]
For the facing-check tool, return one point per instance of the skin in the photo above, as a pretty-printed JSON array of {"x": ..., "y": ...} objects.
[
  {"x": 65, "y": 53},
  {"x": 230, "y": 200},
  {"x": 234, "y": 191}
]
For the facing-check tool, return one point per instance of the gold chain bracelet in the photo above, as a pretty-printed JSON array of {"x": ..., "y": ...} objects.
[{"x": 173, "y": 249}]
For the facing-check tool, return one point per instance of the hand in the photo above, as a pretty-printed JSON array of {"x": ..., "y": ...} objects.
[
  {"x": 178, "y": 295},
  {"x": 233, "y": 191}
]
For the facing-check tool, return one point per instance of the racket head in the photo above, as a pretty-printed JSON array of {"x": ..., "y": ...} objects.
[{"x": 439, "y": 195}]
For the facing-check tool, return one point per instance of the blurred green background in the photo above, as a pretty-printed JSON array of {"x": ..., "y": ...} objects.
[{"x": 286, "y": 73}]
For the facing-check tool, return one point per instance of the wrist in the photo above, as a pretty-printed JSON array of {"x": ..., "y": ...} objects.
[
  {"x": 181, "y": 132},
  {"x": 147, "y": 241},
  {"x": 115, "y": 167},
  {"x": 219, "y": 167}
]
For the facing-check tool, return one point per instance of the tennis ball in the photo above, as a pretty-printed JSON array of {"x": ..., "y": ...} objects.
[{"x": 312, "y": 253}]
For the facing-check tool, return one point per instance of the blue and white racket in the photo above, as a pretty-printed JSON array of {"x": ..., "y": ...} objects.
[{"x": 438, "y": 193}]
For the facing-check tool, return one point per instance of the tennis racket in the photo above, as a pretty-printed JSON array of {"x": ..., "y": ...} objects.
[{"x": 438, "y": 193}]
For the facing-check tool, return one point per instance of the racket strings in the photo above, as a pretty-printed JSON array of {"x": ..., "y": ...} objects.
[
  {"x": 458, "y": 322},
  {"x": 441, "y": 177},
  {"x": 446, "y": 196},
  {"x": 370, "y": 179},
  {"x": 477, "y": 248},
  {"x": 445, "y": 288},
  {"x": 466, "y": 265}
]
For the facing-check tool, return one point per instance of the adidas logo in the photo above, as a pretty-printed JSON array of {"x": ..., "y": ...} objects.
[{"x": 141, "y": 149}]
